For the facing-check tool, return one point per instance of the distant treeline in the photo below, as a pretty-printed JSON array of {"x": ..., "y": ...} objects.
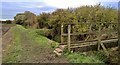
[{"x": 6, "y": 22}]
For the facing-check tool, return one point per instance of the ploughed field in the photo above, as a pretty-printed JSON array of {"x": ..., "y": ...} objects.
[{"x": 6, "y": 27}]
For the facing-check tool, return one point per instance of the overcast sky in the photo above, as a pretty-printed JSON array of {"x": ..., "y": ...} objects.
[{"x": 9, "y": 8}]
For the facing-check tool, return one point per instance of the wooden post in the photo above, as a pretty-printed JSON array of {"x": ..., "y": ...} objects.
[
  {"x": 99, "y": 37},
  {"x": 61, "y": 33},
  {"x": 104, "y": 48},
  {"x": 69, "y": 30}
]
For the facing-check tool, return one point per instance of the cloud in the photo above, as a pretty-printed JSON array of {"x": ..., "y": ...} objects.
[
  {"x": 32, "y": 4},
  {"x": 74, "y": 3},
  {"x": 68, "y": 3},
  {"x": 61, "y": 3},
  {"x": 56, "y": 0},
  {"x": 107, "y": 0},
  {"x": 21, "y": 0}
]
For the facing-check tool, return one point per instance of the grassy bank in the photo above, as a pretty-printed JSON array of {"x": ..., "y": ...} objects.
[{"x": 38, "y": 36}]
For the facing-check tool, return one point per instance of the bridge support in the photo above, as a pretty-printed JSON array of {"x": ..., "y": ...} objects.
[
  {"x": 69, "y": 30},
  {"x": 61, "y": 33}
]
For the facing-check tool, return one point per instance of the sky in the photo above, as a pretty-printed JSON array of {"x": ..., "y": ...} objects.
[{"x": 9, "y": 8}]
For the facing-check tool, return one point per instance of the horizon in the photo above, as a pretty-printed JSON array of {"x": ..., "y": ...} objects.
[{"x": 10, "y": 9}]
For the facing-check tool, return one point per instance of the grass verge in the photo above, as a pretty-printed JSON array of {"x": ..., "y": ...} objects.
[{"x": 75, "y": 57}]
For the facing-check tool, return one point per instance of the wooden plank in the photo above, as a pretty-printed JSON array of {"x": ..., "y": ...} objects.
[
  {"x": 95, "y": 32},
  {"x": 80, "y": 33},
  {"x": 93, "y": 43},
  {"x": 104, "y": 49},
  {"x": 75, "y": 42},
  {"x": 87, "y": 43},
  {"x": 72, "y": 42},
  {"x": 69, "y": 30},
  {"x": 81, "y": 46}
]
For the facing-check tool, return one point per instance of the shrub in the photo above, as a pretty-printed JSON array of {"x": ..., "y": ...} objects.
[{"x": 57, "y": 38}]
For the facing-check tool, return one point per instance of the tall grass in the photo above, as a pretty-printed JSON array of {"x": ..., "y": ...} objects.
[{"x": 82, "y": 58}]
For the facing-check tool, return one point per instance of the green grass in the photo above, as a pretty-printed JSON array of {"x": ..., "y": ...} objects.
[
  {"x": 81, "y": 58},
  {"x": 15, "y": 52},
  {"x": 41, "y": 39}
]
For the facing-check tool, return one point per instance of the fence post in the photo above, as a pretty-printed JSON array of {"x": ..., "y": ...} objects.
[
  {"x": 69, "y": 30},
  {"x": 61, "y": 33},
  {"x": 99, "y": 37}
]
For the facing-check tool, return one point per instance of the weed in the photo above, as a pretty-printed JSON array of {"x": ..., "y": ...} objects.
[{"x": 81, "y": 58}]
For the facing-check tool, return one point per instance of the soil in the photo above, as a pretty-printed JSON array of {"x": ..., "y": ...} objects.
[{"x": 6, "y": 39}]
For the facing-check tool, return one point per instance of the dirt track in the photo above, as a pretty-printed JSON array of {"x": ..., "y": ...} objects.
[{"x": 32, "y": 52}]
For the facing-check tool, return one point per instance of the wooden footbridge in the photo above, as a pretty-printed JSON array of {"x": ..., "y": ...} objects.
[{"x": 85, "y": 36}]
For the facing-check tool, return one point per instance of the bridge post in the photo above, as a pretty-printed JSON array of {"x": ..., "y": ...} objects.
[
  {"x": 69, "y": 30},
  {"x": 61, "y": 33},
  {"x": 99, "y": 37}
]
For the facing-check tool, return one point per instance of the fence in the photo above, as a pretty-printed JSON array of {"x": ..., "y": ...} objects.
[{"x": 103, "y": 32}]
